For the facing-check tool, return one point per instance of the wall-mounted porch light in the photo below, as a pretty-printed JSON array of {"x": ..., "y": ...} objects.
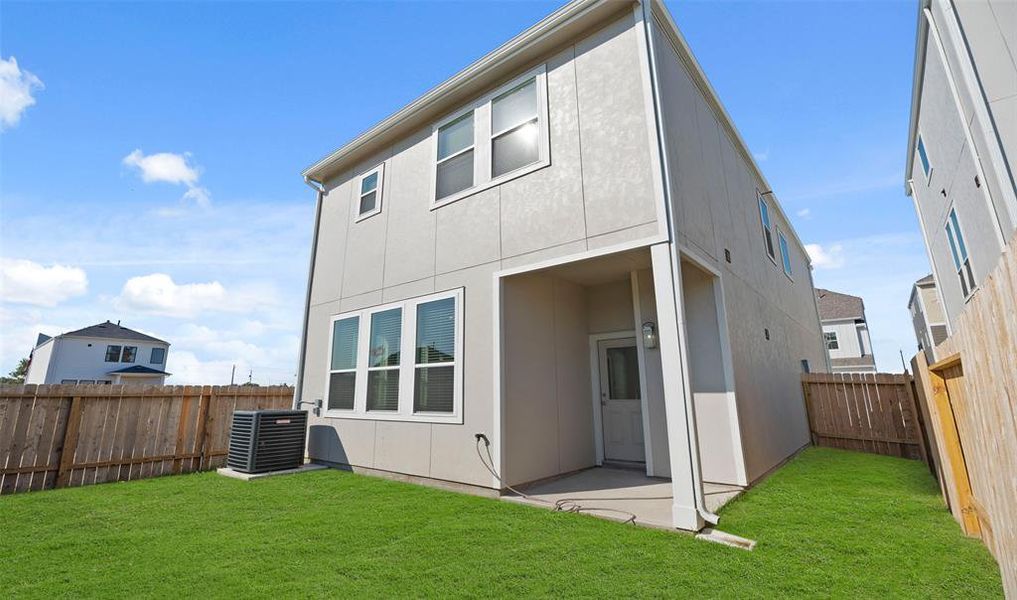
[{"x": 649, "y": 335}]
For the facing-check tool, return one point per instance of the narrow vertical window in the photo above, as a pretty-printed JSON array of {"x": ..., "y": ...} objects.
[
  {"x": 434, "y": 381},
  {"x": 383, "y": 361},
  {"x": 785, "y": 256},
  {"x": 369, "y": 202},
  {"x": 342, "y": 379},
  {"x": 130, "y": 353},
  {"x": 923, "y": 156},
  {"x": 112, "y": 353},
  {"x": 455, "y": 156},
  {"x": 515, "y": 129},
  {"x": 960, "y": 254},
  {"x": 764, "y": 217},
  {"x": 158, "y": 356}
]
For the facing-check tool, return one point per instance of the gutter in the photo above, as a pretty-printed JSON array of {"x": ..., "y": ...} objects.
[
  {"x": 917, "y": 80},
  {"x": 318, "y": 187},
  {"x": 690, "y": 421}
]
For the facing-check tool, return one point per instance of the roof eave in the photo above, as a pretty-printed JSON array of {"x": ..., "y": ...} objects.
[{"x": 423, "y": 106}]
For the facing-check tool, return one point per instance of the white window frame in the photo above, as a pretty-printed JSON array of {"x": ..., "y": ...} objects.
[
  {"x": 827, "y": 341},
  {"x": 920, "y": 143},
  {"x": 483, "y": 139},
  {"x": 767, "y": 249},
  {"x": 371, "y": 369},
  {"x": 407, "y": 363},
  {"x": 380, "y": 170},
  {"x": 785, "y": 253},
  {"x": 962, "y": 264}
]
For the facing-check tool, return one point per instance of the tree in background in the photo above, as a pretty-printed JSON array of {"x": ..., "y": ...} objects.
[{"x": 18, "y": 374}]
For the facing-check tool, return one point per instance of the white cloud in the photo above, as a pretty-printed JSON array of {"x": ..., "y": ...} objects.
[
  {"x": 163, "y": 166},
  {"x": 159, "y": 294},
  {"x": 29, "y": 282},
  {"x": 831, "y": 257},
  {"x": 171, "y": 168},
  {"x": 761, "y": 156},
  {"x": 188, "y": 369},
  {"x": 805, "y": 213},
  {"x": 16, "y": 88}
]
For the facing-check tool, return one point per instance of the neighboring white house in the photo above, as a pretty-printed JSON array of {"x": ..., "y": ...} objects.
[
  {"x": 103, "y": 353},
  {"x": 845, "y": 332},
  {"x": 963, "y": 141},
  {"x": 568, "y": 249},
  {"x": 927, "y": 316}
]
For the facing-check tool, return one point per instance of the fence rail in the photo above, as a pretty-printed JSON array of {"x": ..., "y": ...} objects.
[
  {"x": 73, "y": 435},
  {"x": 868, "y": 412}
]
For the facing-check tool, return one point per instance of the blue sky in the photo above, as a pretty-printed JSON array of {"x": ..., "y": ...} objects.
[{"x": 151, "y": 152}]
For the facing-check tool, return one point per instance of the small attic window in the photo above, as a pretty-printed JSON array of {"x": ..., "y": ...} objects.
[{"x": 370, "y": 188}]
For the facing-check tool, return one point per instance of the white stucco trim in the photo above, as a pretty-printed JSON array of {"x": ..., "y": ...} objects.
[{"x": 644, "y": 390}]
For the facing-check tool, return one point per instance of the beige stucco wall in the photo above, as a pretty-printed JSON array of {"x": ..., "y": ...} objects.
[
  {"x": 598, "y": 191},
  {"x": 714, "y": 202}
]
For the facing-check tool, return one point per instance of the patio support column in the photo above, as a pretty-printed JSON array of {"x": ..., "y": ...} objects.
[{"x": 682, "y": 445}]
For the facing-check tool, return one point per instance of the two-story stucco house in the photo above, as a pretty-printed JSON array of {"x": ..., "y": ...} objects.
[
  {"x": 845, "y": 332},
  {"x": 963, "y": 139},
  {"x": 567, "y": 249},
  {"x": 104, "y": 353},
  {"x": 927, "y": 316}
]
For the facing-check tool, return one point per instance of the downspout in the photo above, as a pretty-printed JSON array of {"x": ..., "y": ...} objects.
[
  {"x": 690, "y": 420},
  {"x": 318, "y": 187}
]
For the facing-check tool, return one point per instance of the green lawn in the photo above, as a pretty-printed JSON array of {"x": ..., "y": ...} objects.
[{"x": 831, "y": 524}]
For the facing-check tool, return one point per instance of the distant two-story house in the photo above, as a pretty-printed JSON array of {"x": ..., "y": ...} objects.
[
  {"x": 927, "y": 316},
  {"x": 567, "y": 250},
  {"x": 845, "y": 332},
  {"x": 105, "y": 353}
]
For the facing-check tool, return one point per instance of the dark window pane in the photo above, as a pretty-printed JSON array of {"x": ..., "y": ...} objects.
[
  {"x": 769, "y": 241},
  {"x": 369, "y": 183},
  {"x": 434, "y": 389},
  {"x": 344, "y": 343},
  {"x": 158, "y": 356},
  {"x": 455, "y": 136},
  {"x": 112, "y": 353},
  {"x": 623, "y": 373},
  {"x": 383, "y": 390},
  {"x": 515, "y": 149},
  {"x": 340, "y": 390},
  {"x": 455, "y": 175},
  {"x": 368, "y": 202},
  {"x": 436, "y": 329},
  {"x": 386, "y": 334},
  {"x": 130, "y": 352}
]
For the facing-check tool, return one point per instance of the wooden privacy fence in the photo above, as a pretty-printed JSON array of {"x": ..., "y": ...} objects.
[
  {"x": 72, "y": 435},
  {"x": 869, "y": 412}
]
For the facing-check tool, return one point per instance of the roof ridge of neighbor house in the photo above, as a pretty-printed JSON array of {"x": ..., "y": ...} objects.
[
  {"x": 838, "y": 305},
  {"x": 113, "y": 331}
]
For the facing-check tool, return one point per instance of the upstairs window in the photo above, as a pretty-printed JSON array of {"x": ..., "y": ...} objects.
[
  {"x": 369, "y": 202},
  {"x": 158, "y": 356},
  {"x": 831, "y": 340},
  {"x": 764, "y": 217},
  {"x": 112, "y": 353},
  {"x": 498, "y": 137},
  {"x": 514, "y": 129},
  {"x": 960, "y": 254},
  {"x": 923, "y": 157},
  {"x": 130, "y": 353},
  {"x": 785, "y": 256},
  {"x": 455, "y": 157}
]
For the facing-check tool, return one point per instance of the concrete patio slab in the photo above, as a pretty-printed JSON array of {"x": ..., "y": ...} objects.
[
  {"x": 228, "y": 472},
  {"x": 617, "y": 494}
]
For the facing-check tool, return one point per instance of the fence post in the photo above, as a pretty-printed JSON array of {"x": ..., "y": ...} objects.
[
  {"x": 179, "y": 449},
  {"x": 208, "y": 395},
  {"x": 919, "y": 422},
  {"x": 70, "y": 443},
  {"x": 808, "y": 410}
]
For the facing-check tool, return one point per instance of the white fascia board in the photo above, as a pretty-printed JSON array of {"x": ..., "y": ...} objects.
[{"x": 917, "y": 78}]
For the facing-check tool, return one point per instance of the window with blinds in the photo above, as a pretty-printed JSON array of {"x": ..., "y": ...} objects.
[
  {"x": 434, "y": 377},
  {"x": 383, "y": 365},
  {"x": 376, "y": 372},
  {"x": 343, "y": 366}
]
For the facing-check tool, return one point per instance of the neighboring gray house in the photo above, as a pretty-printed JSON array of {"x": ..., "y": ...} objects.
[
  {"x": 963, "y": 140},
  {"x": 927, "y": 316},
  {"x": 103, "y": 353},
  {"x": 845, "y": 332},
  {"x": 567, "y": 248}
]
